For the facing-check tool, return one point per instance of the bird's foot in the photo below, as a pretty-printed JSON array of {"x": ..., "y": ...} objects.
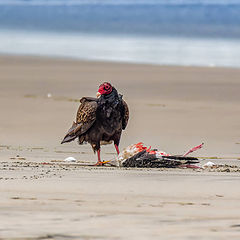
[{"x": 99, "y": 163}]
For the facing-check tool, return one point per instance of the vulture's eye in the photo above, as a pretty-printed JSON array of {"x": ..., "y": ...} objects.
[{"x": 106, "y": 87}]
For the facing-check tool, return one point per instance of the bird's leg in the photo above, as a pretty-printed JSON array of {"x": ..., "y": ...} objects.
[
  {"x": 116, "y": 146},
  {"x": 99, "y": 162}
]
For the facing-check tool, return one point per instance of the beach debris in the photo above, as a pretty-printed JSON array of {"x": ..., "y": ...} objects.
[
  {"x": 138, "y": 155},
  {"x": 17, "y": 158},
  {"x": 49, "y": 95},
  {"x": 209, "y": 164},
  {"x": 70, "y": 159},
  {"x": 222, "y": 168}
]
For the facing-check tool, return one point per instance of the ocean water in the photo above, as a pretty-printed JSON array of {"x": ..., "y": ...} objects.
[{"x": 177, "y": 32}]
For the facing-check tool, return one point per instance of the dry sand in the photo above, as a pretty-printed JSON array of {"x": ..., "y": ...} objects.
[{"x": 172, "y": 109}]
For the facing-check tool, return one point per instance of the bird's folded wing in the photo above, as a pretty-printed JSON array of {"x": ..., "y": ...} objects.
[
  {"x": 86, "y": 116},
  {"x": 125, "y": 115},
  {"x": 88, "y": 99}
]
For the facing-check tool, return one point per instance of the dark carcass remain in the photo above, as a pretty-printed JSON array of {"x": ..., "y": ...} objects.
[{"x": 144, "y": 159}]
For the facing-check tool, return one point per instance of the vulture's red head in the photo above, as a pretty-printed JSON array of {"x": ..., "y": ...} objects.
[{"x": 104, "y": 89}]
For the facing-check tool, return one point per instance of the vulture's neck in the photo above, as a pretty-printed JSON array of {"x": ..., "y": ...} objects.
[{"x": 113, "y": 98}]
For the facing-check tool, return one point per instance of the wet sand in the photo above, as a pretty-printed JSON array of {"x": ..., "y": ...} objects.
[{"x": 172, "y": 109}]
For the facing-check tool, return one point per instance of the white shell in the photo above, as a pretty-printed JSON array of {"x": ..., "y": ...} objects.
[
  {"x": 70, "y": 159},
  {"x": 209, "y": 164}
]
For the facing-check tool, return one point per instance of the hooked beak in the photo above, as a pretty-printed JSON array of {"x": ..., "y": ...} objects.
[{"x": 98, "y": 94}]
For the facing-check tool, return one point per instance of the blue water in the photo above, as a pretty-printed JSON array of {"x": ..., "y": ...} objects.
[{"x": 177, "y": 32}]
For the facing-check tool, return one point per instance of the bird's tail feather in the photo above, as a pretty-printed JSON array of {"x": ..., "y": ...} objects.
[{"x": 72, "y": 133}]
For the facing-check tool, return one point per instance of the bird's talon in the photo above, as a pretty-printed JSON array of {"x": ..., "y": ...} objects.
[
  {"x": 101, "y": 163},
  {"x": 106, "y": 161}
]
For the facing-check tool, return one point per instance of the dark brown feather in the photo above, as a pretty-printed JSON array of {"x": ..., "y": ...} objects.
[
  {"x": 125, "y": 115},
  {"x": 86, "y": 116}
]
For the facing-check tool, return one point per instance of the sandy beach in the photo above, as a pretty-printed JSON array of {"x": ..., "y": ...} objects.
[{"x": 171, "y": 108}]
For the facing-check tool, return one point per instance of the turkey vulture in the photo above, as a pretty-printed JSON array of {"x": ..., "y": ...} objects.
[{"x": 100, "y": 120}]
